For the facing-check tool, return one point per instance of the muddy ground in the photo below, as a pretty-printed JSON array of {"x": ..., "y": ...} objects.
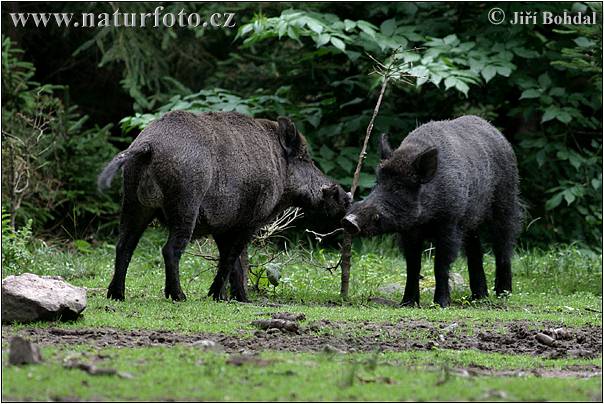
[{"x": 518, "y": 337}]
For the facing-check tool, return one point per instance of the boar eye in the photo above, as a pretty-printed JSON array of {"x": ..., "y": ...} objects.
[{"x": 376, "y": 217}]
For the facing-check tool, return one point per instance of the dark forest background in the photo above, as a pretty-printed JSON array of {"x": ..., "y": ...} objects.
[{"x": 72, "y": 98}]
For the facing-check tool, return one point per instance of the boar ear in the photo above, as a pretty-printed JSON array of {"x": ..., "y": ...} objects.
[
  {"x": 385, "y": 149},
  {"x": 289, "y": 139},
  {"x": 425, "y": 165}
]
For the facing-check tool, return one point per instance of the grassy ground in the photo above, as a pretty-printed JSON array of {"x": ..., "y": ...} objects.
[{"x": 560, "y": 286}]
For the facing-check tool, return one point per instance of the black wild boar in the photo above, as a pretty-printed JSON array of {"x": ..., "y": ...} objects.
[
  {"x": 445, "y": 180},
  {"x": 223, "y": 174}
]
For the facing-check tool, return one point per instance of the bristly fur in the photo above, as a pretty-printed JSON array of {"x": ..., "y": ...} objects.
[
  {"x": 446, "y": 180},
  {"x": 224, "y": 174}
]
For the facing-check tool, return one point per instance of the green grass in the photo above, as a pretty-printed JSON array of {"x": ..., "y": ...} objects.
[
  {"x": 562, "y": 285},
  {"x": 185, "y": 373}
]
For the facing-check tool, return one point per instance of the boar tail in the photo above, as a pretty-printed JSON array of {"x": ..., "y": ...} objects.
[{"x": 105, "y": 177}]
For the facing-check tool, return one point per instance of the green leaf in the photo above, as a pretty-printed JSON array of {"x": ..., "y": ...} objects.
[
  {"x": 553, "y": 202},
  {"x": 366, "y": 180},
  {"x": 505, "y": 71},
  {"x": 575, "y": 160},
  {"x": 367, "y": 28},
  {"x": 450, "y": 39},
  {"x": 322, "y": 39},
  {"x": 326, "y": 165},
  {"x": 526, "y": 53},
  {"x": 345, "y": 163},
  {"x": 530, "y": 93},
  {"x": 314, "y": 26},
  {"x": 450, "y": 82},
  {"x": 388, "y": 27},
  {"x": 338, "y": 43},
  {"x": 488, "y": 73},
  {"x": 550, "y": 113},
  {"x": 540, "y": 157},
  {"x": 564, "y": 117},
  {"x": 544, "y": 81},
  {"x": 557, "y": 92},
  {"x": 584, "y": 42},
  {"x": 568, "y": 196},
  {"x": 463, "y": 87},
  {"x": 326, "y": 152},
  {"x": 349, "y": 24},
  {"x": 596, "y": 183}
]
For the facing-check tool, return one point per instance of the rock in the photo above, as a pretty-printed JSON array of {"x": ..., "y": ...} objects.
[
  {"x": 391, "y": 289},
  {"x": 561, "y": 333},
  {"x": 385, "y": 302},
  {"x": 545, "y": 339},
  {"x": 22, "y": 352},
  {"x": 450, "y": 328},
  {"x": 456, "y": 282},
  {"x": 332, "y": 349},
  {"x": 282, "y": 325},
  {"x": 29, "y": 297},
  {"x": 289, "y": 316},
  {"x": 208, "y": 345}
]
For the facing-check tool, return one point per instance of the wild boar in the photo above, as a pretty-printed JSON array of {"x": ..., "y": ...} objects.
[
  {"x": 446, "y": 180},
  {"x": 224, "y": 174}
]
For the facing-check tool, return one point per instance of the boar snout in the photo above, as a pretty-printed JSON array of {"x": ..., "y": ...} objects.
[{"x": 350, "y": 224}]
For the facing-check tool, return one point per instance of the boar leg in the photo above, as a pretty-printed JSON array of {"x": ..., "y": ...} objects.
[
  {"x": 134, "y": 219},
  {"x": 181, "y": 225},
  {"x": 237, "y": 279},
  {"x": 412, "y": 248},
  {"x": 478, "y": 282},
  {"x": 447, "y": 246},
  {"x": 230, "y": 247},
  {"x": 503, "y": 246},
  {"x": 506, "y": 226}
]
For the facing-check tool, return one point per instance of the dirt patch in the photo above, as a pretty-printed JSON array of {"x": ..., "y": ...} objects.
[
  {"x": 508, "y": 338},
  {"x": 575, "y": 371}
]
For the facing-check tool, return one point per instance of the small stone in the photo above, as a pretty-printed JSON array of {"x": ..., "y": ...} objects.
[
  {"x": 580, "y": 353},
  {"x": 545, "y": 339},
  {"x": 289, "y": 316},
  {"x": 383, "y": 301},
  {"x": 23, "y": 352},
  {"x": 332, "y": 349},
  {"x": 562, "y": 333},
  {"x": 450, "y": 328},
  {"x": 282, "y": 325},
  {"x": 208, "y": 345}
]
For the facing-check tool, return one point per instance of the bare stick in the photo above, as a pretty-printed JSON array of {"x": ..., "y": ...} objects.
[
  {"x": 319, "y": 236},
  {"x": 347, "y": 245}
]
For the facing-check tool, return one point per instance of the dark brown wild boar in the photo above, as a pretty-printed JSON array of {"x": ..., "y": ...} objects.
[
  {"x": 224, "y": 174},
  {"x": 445, "y": 181}
]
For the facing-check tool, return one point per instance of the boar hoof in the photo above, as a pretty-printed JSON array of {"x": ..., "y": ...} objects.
[
  {"x": 216, "y": 293},
  {"x": 115, "y": 294},
  {"x": 241, "y": 298},
  {"x": 442, "y": 302},
  {"x": 409, "y": 303},
  {"x": 177, "y": 296},
  {"x": 479, "y": 296}
]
